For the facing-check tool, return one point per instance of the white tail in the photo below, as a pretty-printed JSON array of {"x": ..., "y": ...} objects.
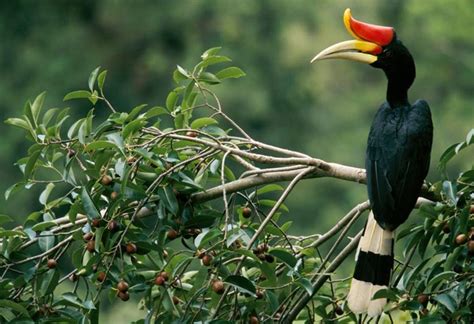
[{"x": 374, "y": 261}]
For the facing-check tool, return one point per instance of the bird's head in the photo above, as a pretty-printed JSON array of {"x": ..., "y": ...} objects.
[{"x": 374, "y": 45}]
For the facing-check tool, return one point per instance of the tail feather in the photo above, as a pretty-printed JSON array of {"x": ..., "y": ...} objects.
[{"x": 374, "y": 262}]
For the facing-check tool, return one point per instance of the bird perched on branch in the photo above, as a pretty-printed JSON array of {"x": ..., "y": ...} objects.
[{"x": 397, "y": 156}]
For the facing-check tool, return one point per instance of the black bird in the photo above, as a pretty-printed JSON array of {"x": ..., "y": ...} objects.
[{"x": 397, "y": 156}]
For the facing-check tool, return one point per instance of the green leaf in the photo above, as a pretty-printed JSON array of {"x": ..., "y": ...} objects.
[
  {"x": 208, "y": 77},
  {"x": 284, "y": 256},
  {"x": 43, "y": 198},
  {"x": 30, "y": 165},
  {"x": 443, "y": 276},
  {"x": 135, "y": 111},
  {"x": 79, "y": 94},
  {"x": 46, "y": 240},
  {"x": 5, "y": 219},
  {"x": 242, "y": 284},
  {"x": 18, "y": 122},
  {"x": 450, "y": 191},
  {"x": 14, "y": 306},
  {"x": 37, "y": 105},
  {"x": 447, "y": 301},
  {"x": 155, "y": 111},
  {"x": 306, "y": 284},
  {"x": 210, "y": 52},
  {"x": 89, "y": 206},
  {"x": 101, "y": 80},
  {"x": 182, "y": 71},
  {"x": 385, "y": 293},
  {"x": 269, "y": 188},
  {"x": 132, "y": 127},
  {"x": 100, "y": 145},
  {"x": 271, "y": 203},
  {"x": 43, "y": 225},
  {"x": 205, "y": 237},
  {"x": 93, "y": 77},
  {"x": 171, "y": 100},
  {"x": 202, "y": 122},
  {"x": 168, "y": 197},
  {"x": 230, "y": 72}
]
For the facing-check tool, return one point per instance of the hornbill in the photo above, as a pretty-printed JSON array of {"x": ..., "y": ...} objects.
[{"x": 397, "y": 156}]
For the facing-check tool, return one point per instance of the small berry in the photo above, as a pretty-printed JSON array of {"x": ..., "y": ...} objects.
[
  {"x": 122, "y": 286},
  {"x": 90, "y": 246},
  {"x": 131, "y": 248},
  {"x": 423, "y": 299},
  {"x": 96, "y": 222},
  {"x": 446, "y": 228},
  {"x": 218, "y": 287},
  {"x": 339, "y": 311},
  {"x": 206, "y": 260},
  {"x": 71, "y": 153},
  {"x": 113, "y": 226},
  {"x": 191, "y": 134},
  {"x": 457, "y": 268},
  {"x": 164, "y": 274},
  {"x": 159, "y": 281},
  {"x": 470, "y": 246},
  {"x": 106, "y": 180},
  {"x": 176, "y": 300},
  {"x": 131, "y": 160},
  {"x": 200, "y": 254},
  {"x": 114, "y": 195},
  {"x": 88, "y": 236},
  {"x": 269, "y": 258},
  {"x": 101, "y": 276},
  {"x": 259, "y": 294},
  {"x": 253, "y": 320},
  {"x": 123, "y": 295},
  {"x": 172, "y": 234},
  {"x": 461, "y": 239},
  {"x": 52, "y": 263},
  {"x": 261, "y": 256},
  {"x": 246, "y": 212}
]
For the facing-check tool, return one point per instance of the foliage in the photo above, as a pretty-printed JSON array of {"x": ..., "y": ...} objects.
[{"x": 178, "y": 207}]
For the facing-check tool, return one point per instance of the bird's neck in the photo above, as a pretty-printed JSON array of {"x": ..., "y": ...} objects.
[{"x": 397, "y": 92}]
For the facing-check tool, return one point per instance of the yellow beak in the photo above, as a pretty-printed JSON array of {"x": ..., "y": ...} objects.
[{"x": 354, "y": 50}]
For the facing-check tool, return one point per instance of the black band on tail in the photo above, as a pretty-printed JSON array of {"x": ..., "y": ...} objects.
[{"x": 373, "y": 268}]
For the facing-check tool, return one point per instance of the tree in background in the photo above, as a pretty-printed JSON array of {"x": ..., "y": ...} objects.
[{"x": 181, "y": 210}]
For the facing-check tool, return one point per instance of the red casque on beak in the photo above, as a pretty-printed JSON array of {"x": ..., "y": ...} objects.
[{"x": 380, "y": 35}]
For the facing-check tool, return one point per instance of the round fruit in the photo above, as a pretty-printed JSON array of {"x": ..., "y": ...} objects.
[
  {"x": 446, "y": 229},
  {"x": 246, "y": 212},
  {"x": 176, "y": 300},
  {"x": 470, "y": 246},
  {"x": 172, "y": 234},
  {"x": 123, "y": 295},
  {"x": 131, "y": 160},
  {"x": 96, "y": 222},
  {"x": 423, "y": 299},
  {"x": 218, "y": 287},
  {"x": 106, "y": 180},
  {"x": 90, "y": 246},
  {"x": 206, "y": 260},
  {"x": 339, "y": 311},
  {"x": 461, "y": 239},
  {"x": 457, "y": 268},
  {"x": 200, "y": 254},
  {"x": 259, "y": 294},
  {"x": 122, "y": 286},
  {"x": 471, "y": 210},
  {"x": 253, "y": 320},
  {"x": 101, "y": 276},
  {"x": 269, "y": 258},
  {"x": 73, "y": 277},
  {"x": 71, "y": 153},
  {"x": 88, "y": 236},
  {"x": 191, "y": 134},
  {"x": 131, "y": 248},
  {"x": 159, "y": 281},
  {"x": 113, "y": 226},
  {"x": 52, "y": 263},
  {"x": 164, "y": 274},
  {"x": 114, "y": 195}
]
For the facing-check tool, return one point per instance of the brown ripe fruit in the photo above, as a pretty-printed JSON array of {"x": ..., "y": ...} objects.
[
  {"x": 191, "y": 134},
  {"x": 253, "y": 320},
  {"x": 88, "y": 236},
  {"x": 470, "y": 246},
  {"x": 206, "y": 260},
  {"x": 172, "y": 234},
  {"x": 471, "y": 210},
  {"x": 101, "y": 276},
  {"x": 131, "y": 160},
  {"x": 123, "y": 295},
  {"x": 423, "y": 299},
  {"x": 159, "y": 280},
  {"x": 246, "y": 212},
  {"x": 176, "y": 300},
  {"x": 461, "y": 239},
  {"x": 122, "y": 286},
  {"x": 200, "y": 254},
  {"x": 261, "y": 256},
  {"x": 218, "y": 287},
  {"x": 339, "y": 311},
  {"x": 90, "y": 246},
  {"x": 96, "y": 222},
  {"x": 71, "y": 153},
  {"x": 259, "y": 294},
  {"x": 114, "y": 195},
  {"x": 106, "y": 180},
  {"x": 113, "y": 226},
  {"x": 446, "y": 228},
  {"x": 164, "y": 274},
  {"x": 131, "y": 248},
  {"x": 52, "y": 263}
]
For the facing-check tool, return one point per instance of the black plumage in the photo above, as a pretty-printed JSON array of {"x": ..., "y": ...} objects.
[{"x": 399, "y": 143}]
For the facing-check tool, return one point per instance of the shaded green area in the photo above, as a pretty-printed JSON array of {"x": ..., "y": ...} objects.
[{"x": 324, "y": 110}]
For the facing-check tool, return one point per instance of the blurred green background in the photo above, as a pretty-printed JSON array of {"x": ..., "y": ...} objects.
[{"x": 324, "y": 110}]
